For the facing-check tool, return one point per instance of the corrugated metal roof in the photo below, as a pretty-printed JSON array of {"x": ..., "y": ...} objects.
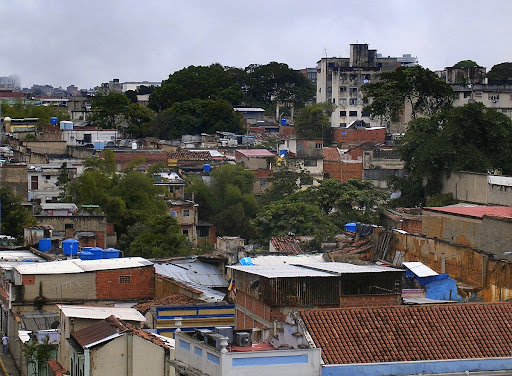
[
  {"x": 197, "y": 272},
  {"x": 420, "y": 269},
  {"x": 255, "y": 152},
  {"x": 59, "y": 206},
  {"x": 281, "y": 271},
  {"x": 100, "y": 313},
  {"x": 95, "y": 334},
  {"x": 80, "y": 266},
  {"x": 288, "y": 260},
  {"x": 8, "y": 255},
  {"x": 35, "y": 321},
  {"x": 475, "y": 211},
  {"x": 346, "y": 268},
  {"x": 327, "y": 269}
]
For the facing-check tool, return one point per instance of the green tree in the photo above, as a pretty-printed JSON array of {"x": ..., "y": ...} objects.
[
  {"x": 466, "y": 64},
  {"x": 284, "y": 181},
  {"x": 277, "y": 82},
  {"x": 415, "y": 86},
  {"x": 42, "y": 113},
  {"x": 159, "y": 236},
  {"x": 211, "y": 82},
  {"x": 138, "y": 118},
  {"x": 500, "y": 72},
  {"x": 469, "y": 138},
  {"x": 286, "y": 217},
  {"x": 14, "y": 216},
  {"x": 39, "y": 353},
  {"x": 63, "y": 177},
  {"x": 109, "y": 110},
  {"x": 313, "y": 123}
]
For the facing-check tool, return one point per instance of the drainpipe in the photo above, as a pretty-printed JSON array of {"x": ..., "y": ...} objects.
[{"x": 87, "y": 362}]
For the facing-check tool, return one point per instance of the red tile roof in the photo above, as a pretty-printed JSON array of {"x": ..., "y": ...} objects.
[
  {"x": 404, "y": 333},
  {"x": 191, "y": 155},
  {"x": 331, "y": 154},
  {"x": 57, "y": 368},
  {"x": 475, "y": 211},
  {"x": 287, "y": 244}
]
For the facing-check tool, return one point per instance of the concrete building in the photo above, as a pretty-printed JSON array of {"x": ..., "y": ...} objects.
[
  {"x": 265, "y": 294},
  {"x": 14, "y": 176},
  {"x": 43, "y": 181},
  {"x": 85, "y": 136},
  {"x": 381, "y": 162},
  {"x": 488, "y": 228},
  {"x": 307, "y": 155},
  {"x": 113, "y": 346},
  {"x": 477, "y": 188},
  {"x": 238, "y": 354},
  {"x": 255, "y": 159},
  {"x": 339, "y": 81}
]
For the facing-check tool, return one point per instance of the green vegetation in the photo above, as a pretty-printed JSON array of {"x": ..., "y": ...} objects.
[
  {"x": 415, "y": 86},
  {"x": 14, "y": 216},
  {"x": 466, "y": 64},
  {"x": 313, "y": 122},
  {"x": 43, "y": 113},
  {"x": 500, "y": 72}
]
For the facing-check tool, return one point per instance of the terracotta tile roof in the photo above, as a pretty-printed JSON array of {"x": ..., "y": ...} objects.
[
  {"x": 405, "y": 333},
  {"x": 289, "y": 244},
  {"x": 331, "y": 154},
  {"x": 475, "y": 211},
  {"x": 57, "y": 368},
  {"x": 175, "y": 299},
  {"x": 191, "y": 155}
]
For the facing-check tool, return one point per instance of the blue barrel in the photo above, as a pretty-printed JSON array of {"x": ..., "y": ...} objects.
[
  {"x": 53, "y": 120},
  {"x": 207, "y": 167},
  {"x": 70, "y": 247},
  {"x": 27, "y": 260},
  {"x": 45, "y": 244},
  {"x": 87, "y": 249},
  {"x": 110, "y": 253},
  {"x": 97, "y": 253},
  {"x": 85, "y": 255},
  {"x": 350, "y": 226},
  {"x": 283, "y": 121}
]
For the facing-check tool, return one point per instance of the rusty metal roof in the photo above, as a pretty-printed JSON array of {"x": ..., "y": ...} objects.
[
  {"x": 97, "y": 333},
  {"x": 474, "y": 210}
]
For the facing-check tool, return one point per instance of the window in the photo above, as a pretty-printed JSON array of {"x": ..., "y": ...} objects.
[
  {"x": 34, "y": 183},
  {"x": 456, "y": 95},
  {"x": 263, "y": 183},
  {"x": 329, "y": 89},
  {"x": 47, "y": 177},
  {"x": 186, "y": 213},
  {"x": 352, "y": 113},
  {"x": 494, "y": 97},
  {"x": 353, "y": 91},
  {"x": 352, "y": 101},
  {"x": 365, "y": 114},
  {"x": 467, "y": 94},
  {"x": 173, "y": 214},
  {"x": 318, "y": 146},
  {"x": 343, "y": 101},
  {"x": 478, "y": 94},
  {"x": 310, "y": 162},
  {"x": 343, "y": 89},
  {"x": 125, "y": 278},
  {"x": 185, "y": 232},
  {"x": 353, "y": 76},
  {"x": 87, "y": 138},
  {"x": 343, "y": 113}
]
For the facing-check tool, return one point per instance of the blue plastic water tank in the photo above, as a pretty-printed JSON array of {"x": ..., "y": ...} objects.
[
  {"x": 45, "y": 244},
  {"x": 110, "y": 253},
  {"x": 350, "y": 226},
  {"x": 70, "y": 247},
  {"x": 86, "y": 256},
  {"x": 283, "y": 121},
  {"x": 99, "y": 145},
  {"x": 97, "y": 252},
  {"x": 207, "y": 167},
  {"x": 28, "y": 260},
  {"x": 283, "y": 152},
  {"x": 246, "y": 261},
  {"x": 53, "y": 120}
]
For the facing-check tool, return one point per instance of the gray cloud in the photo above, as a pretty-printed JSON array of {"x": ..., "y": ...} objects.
[{"x": 85, "y": 43}]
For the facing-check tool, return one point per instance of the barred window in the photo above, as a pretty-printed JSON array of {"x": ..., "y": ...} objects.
[{"x": 125, "y": 278}]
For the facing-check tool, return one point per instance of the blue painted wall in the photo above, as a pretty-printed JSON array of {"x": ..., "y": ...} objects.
[{"x": 426, "y": 367}]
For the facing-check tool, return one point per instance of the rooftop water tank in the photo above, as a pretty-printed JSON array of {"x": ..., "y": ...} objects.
[
  {"x": 283, "y": 121},
  {"x": 207, "y": 167},
  {"x": 64, "y": 124},
  {"x": 134, "y": 145},
  {"x": 86, "y": 256},
  {"x": 99, "y": 144},
  {"x": 97, "y": 253},
  {"x": 70, "y": 246},
  {"x": 350, "y": 226},
  {"x": 110, "y": 253},
  {"x": 45, "y": 244},
  {"x": 53, "y": 120}
]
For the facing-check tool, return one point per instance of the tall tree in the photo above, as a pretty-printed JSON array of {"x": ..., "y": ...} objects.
[
  {"x": 14, "y": 216},
  {"x": 109, "y": 109},
  {"x": 466, "y": 64},
  {"x": 313, "y": 122},
  {"x": 417, "y": 87},
  {"x": 500, "y": 72},
  {"x": 196, "y": 82}
]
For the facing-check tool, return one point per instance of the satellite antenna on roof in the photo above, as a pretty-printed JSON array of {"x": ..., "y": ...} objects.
[{"x": 325, "y": 52}]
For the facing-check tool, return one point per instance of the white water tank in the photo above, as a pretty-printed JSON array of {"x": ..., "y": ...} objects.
[{"x": 134, "y": 145}]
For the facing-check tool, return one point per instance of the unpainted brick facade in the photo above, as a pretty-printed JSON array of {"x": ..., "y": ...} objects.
[
  {"x": 359, "y": 135},
  {"x": 121, "y": 284}
]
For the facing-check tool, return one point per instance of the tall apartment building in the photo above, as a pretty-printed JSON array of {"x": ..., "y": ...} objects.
[{"x": 339, "y": 81}]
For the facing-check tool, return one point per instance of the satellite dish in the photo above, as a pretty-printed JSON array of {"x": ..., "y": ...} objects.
[{"x": 55, "y": 324}]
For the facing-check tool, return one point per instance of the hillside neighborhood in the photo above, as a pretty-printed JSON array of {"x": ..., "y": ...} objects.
[{"x": 352, "y": 218}]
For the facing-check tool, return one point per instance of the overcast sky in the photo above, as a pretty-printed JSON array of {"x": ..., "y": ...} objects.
[{"x": 85, "y": 43}]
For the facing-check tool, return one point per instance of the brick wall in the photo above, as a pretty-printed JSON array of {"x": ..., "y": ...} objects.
[
  {"x": 370, "y": 301},
  {"x": 359, "y": 136},
  {"x": 134, "y": 283},
  {"x": 343, "y": 171}
]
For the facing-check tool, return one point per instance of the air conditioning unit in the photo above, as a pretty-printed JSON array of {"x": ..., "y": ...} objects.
[
  {"x": 243, "y": 339},
  {"x": 225, "y": 331},
  {"x": 201, "y": 333}
]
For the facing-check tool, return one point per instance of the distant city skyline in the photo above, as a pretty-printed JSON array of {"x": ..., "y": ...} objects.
[{"x": 83, "y": 43}]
